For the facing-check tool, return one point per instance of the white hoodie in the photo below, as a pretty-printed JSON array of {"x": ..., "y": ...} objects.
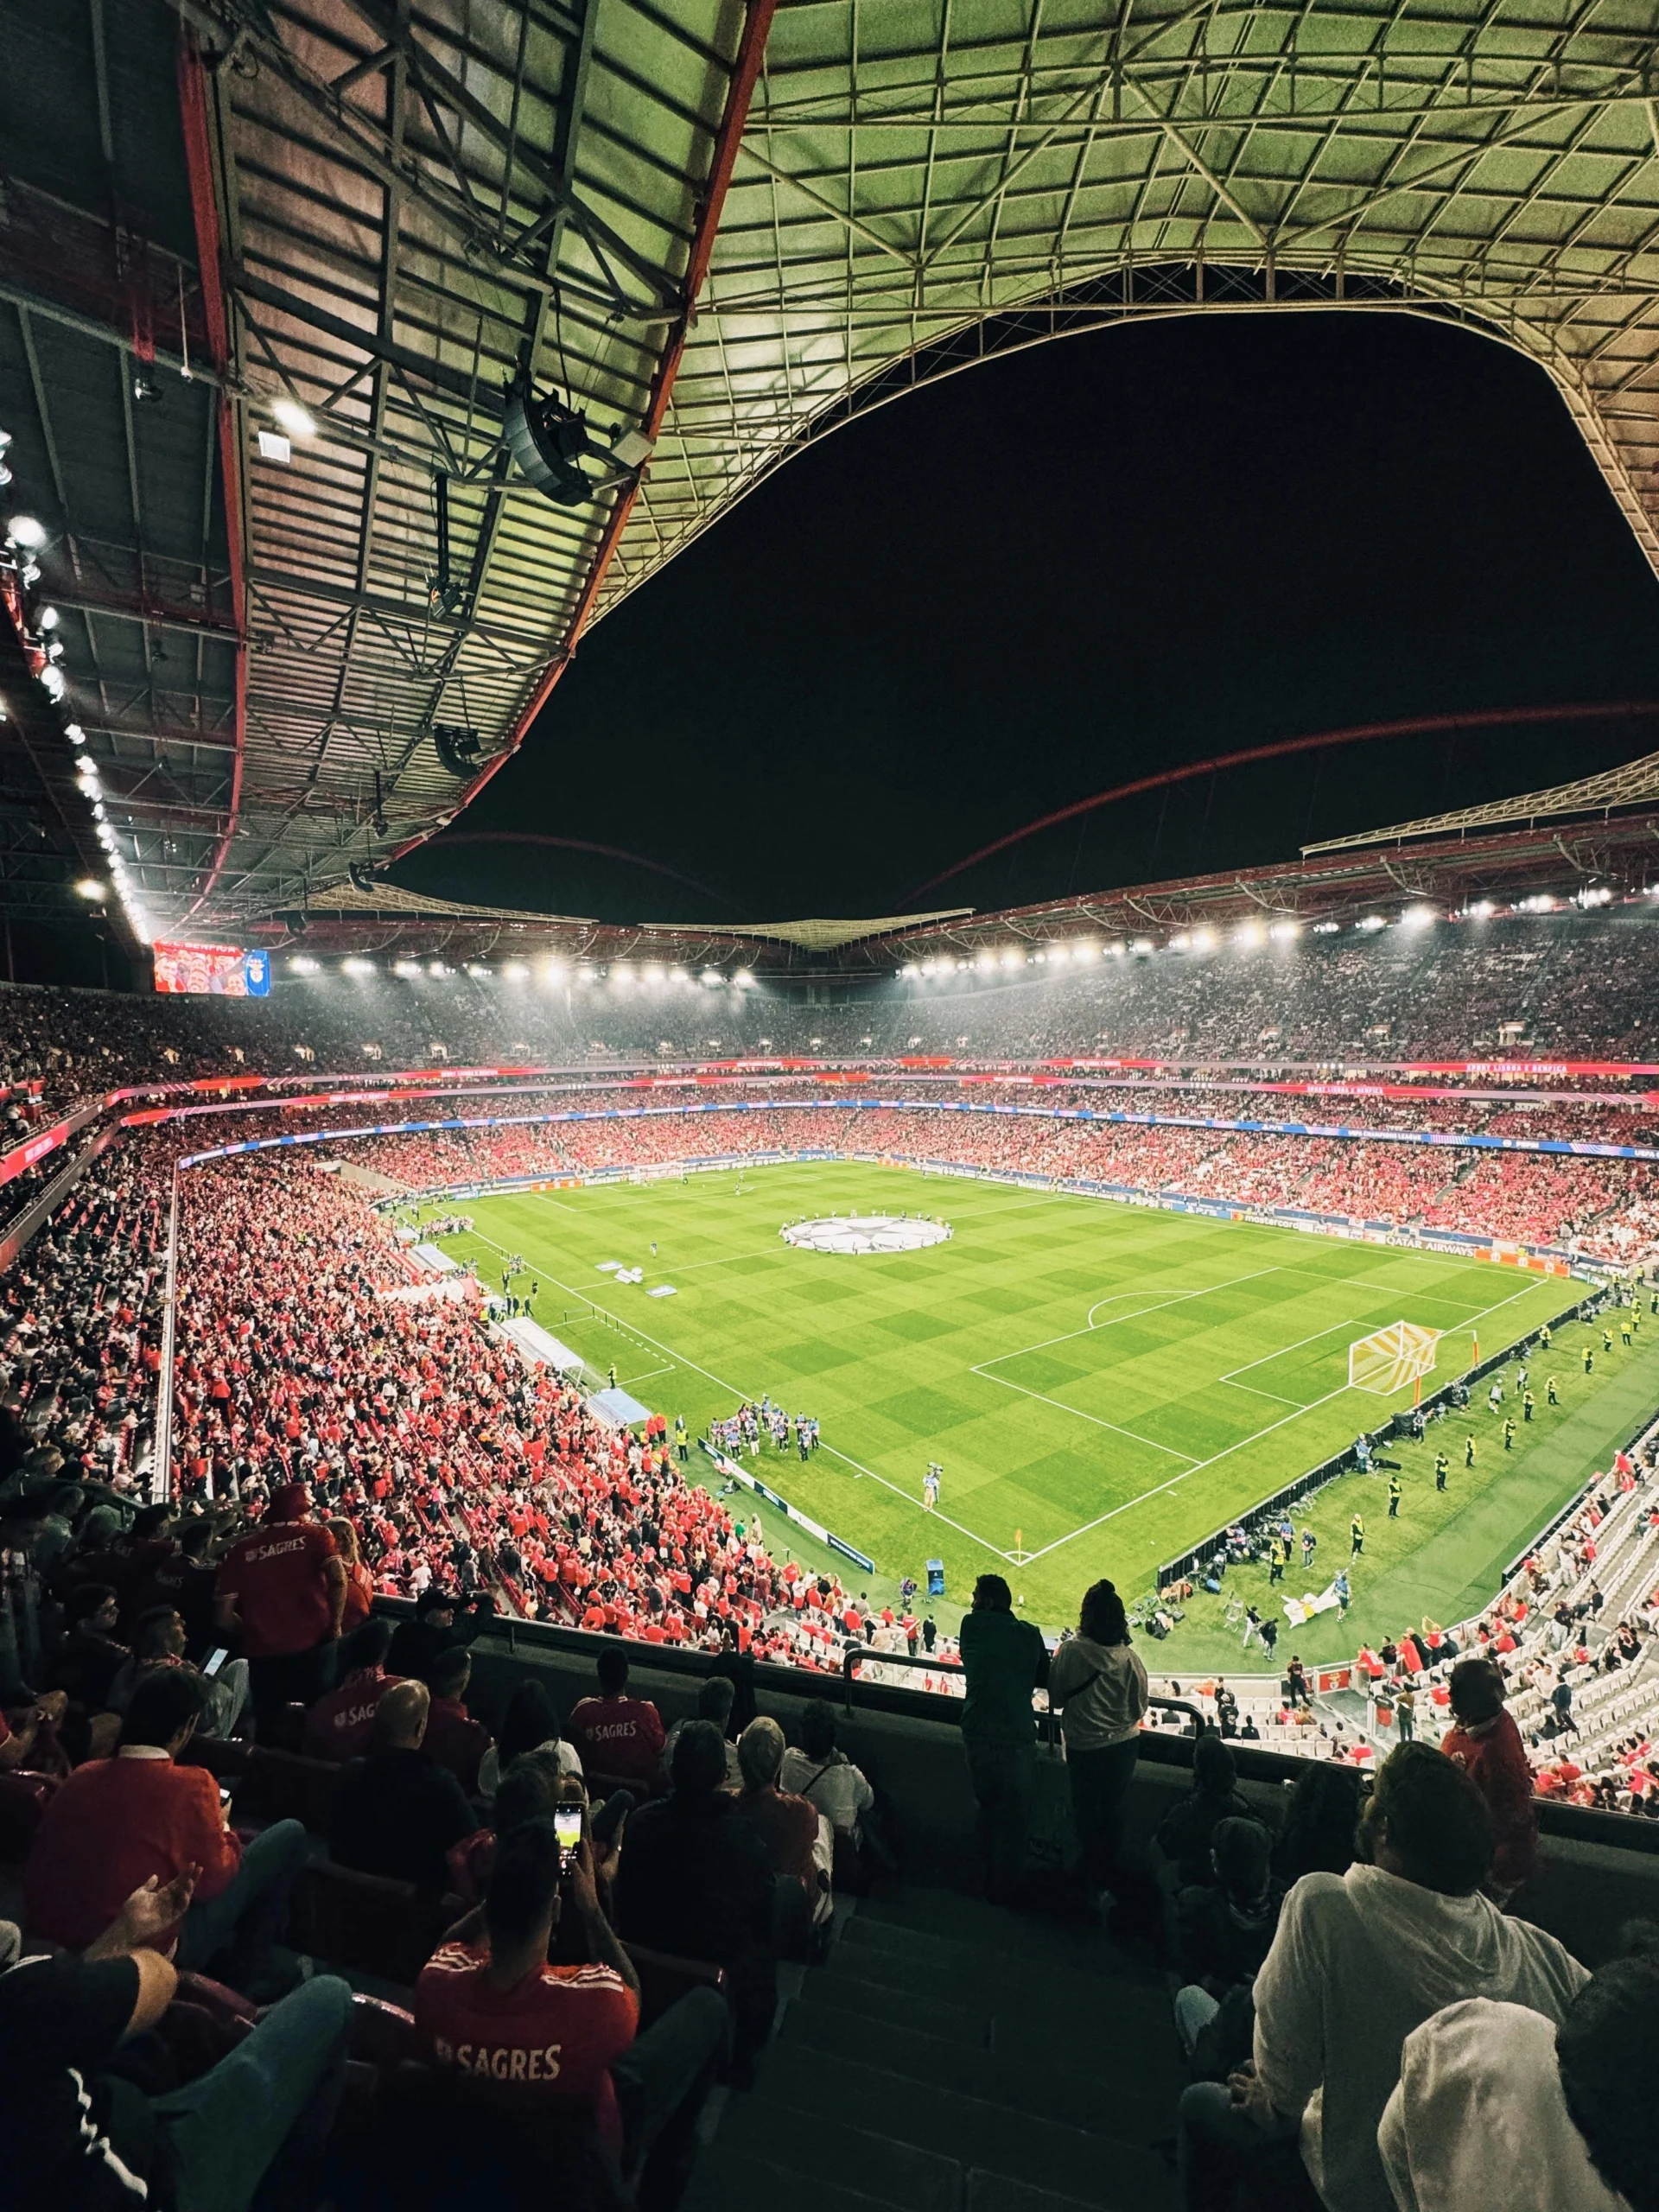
[
  {"x": 1360, "y": 1960},
  {"x": 1479, "y": 2094}
]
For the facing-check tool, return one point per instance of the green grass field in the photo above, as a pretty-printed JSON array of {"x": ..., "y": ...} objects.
[{"x": 1102, "y": 1384}]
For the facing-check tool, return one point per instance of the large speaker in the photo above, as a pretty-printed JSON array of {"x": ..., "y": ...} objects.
[
  {"x": 547, "y": 439},
  {"x": 457, "y": 746}
]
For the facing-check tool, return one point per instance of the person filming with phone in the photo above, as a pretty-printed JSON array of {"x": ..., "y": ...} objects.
[{"x": 489, "y": 2005}]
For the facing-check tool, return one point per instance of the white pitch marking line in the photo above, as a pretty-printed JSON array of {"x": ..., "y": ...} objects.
[{"x": 679, "y": 1360}]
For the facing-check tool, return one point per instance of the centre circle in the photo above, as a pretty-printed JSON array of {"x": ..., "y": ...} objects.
[{"x": 865, "y": 1232}]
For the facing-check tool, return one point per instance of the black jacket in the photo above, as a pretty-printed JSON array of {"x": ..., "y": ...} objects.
[{"x": 398, "y": 1814}]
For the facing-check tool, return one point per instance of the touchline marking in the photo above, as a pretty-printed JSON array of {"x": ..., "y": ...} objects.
[
  {"x": 1199, "y": 1466},
  {"x": 1076, "y": 1414},
  {"x": 678, "y": 1359}
]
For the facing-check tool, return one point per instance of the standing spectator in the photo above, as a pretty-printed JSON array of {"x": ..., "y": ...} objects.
[
  {"x": 617, "y": 1734},
  {"x": 281, "y": 1590},
  {"x": 454, "y": 1739},
  {"x": 1359, "y": 1961},
  {"x": 396, "y": 1813},
  {"x": 1099, "y": 1686},
  {"x": 82, "y": 2139},
  {"x": 339, "y": 1725},
  {"x": 360, "y": 1583},
  {"x": 117, "y": 1823},
  {"x": 1486, "y": 1742},
  {"x": 1004, "y": 1661}
]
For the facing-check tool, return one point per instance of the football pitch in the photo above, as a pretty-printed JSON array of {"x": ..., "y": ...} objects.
[{"x": 1103, "y": 1385}]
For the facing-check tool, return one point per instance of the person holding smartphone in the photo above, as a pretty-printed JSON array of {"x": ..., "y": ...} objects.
[{"x": 489, "y": 2004}]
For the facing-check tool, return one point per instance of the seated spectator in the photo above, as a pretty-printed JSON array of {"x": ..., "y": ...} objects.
[
  {"x": 453, "y": 1738},
  {"x": 90, "y": 1657},
  {"x": 395, "y": 1813},
  {"x": 28, "y": 1733},
  {"x": 1485, "y": 2087},
  {"x": 825, "y": 1776},
  {"x": 117, "y": 1823},
  {"x": 79, "y": 2136},
  {"x": 715, "y": 1696},
  {"x": 1222, "y": 1933},
  {"x": 695, "y": 1881},
  {"x": 1359, "y": 1960},
  {"x": 339, "y": 1725},
  {"x": 615, "y": 1733},
  {"x": 1486, "y": 1742},
  {"x": 530, "y": 1723},
  {"x": 1321, "y": 1824},
  {"x": 1187, "y": 1830},
  {"x": 489, "y": 2003},
  {"x": 158, "y": 1641},
  {"x": 440, "y": 1624},
  {"x": 529, "y": 1791},
  {"x": 794, "y": 1832},
  {"x": 281, "y": 1592}
]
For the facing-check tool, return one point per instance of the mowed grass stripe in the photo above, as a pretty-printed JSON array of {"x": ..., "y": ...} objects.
[{"x": 899, "y": 1355}]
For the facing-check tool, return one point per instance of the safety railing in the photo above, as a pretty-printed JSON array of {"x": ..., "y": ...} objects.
[{"x": 856, "y": 1654}]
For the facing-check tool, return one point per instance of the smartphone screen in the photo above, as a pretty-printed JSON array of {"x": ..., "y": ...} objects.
[
  {"x": 214, "y": 1661},
  {"x": 567, "y": 1825}
]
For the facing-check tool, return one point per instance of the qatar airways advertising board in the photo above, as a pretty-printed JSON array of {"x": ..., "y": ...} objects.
[{"x": 219, "y": 971}]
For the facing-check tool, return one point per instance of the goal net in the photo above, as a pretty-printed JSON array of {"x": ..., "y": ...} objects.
[{"x": 1391, "y": 1358}]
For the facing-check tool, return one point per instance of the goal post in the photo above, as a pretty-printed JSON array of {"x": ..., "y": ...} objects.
[{"x": 1391, "y": 1358}]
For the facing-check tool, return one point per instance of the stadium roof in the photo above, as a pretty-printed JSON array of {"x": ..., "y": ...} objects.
[
  {"x": 716, "y": 230},
  {"x": 1635, "y": 784}
]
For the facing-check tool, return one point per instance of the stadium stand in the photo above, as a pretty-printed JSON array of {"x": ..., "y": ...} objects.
[{"x": 927, "y": 2045}]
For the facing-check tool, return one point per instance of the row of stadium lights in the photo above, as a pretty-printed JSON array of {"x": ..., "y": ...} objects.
[
  {"x": 1249, "y": 937},
  {"x": 619, "y": 973},
  {"x": 25, "y": 536}
]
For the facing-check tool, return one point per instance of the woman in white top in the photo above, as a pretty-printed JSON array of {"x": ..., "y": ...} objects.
[{"x": 1098, "y": 1686}]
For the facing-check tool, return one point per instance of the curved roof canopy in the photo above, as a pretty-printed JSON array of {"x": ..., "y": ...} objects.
[{"x": 309, "y": 601}]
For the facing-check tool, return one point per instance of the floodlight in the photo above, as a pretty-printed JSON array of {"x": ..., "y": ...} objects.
[
  {"x": 24, "y": 531},
  {"x": 909, "y": 970},
  {"x": 744, "y": 980},
  {"x": 1141, "y": 947},
  {"x": 713, "y": 975},
  {"x": 515, "y": 971},
  {"x": 1370, "y": 923},
  {"x": 457, "y": 746},
  {"x": 1010, "y": 958},
  {"x": 1482, "y": 911},
  {"x": 1326, "y": 929},
  {"x": 89, "y": 887},
  {"x": 52, "y": 681},
  {"x": 437, "y": 967},
  {"x": 621, "y": 972},
  {"x": 650, "y": 973},
  {"x": 406, "y": 968},
  {"x": 74, "y": 733},
  {"x": 1248, "y": 935},
  {"x": 298, "y": 422},
  {"x": 303, "y": 964},
  {"x": 476, "y": 968},
  {"x": 1283, "y": 932},
  {"x": 48, "y": 619},
  {"x": 1418, "y": 918},
  {"x": 356, "y": 967},
  {"x": 1597, "y": 895},
  {"x": 552, "y": 971},
  {"x": 273, "y": 446},
  {"x": 1203, "y": 940}
]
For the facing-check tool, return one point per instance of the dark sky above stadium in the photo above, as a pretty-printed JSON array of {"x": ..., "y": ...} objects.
[{"x": 1067, "y": 568}]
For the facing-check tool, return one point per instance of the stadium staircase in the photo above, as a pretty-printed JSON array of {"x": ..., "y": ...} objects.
[{"x": 947, "y": 2056}]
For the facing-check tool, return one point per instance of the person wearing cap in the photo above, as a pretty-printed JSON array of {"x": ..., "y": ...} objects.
[
  {"x": 441, "y": 1624},
  {"x": 282, "y": 1591}
]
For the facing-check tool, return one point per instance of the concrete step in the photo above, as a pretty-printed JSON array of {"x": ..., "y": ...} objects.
[
  {"x": 766, "y": 2131},
  {"x": 929, "y": 1972},
  {"x": 1117, "y": 2106},
  {"x": 724, "y": 2176},
  {"x": 1079, "y": 1945},
  {"x": 959, "y": 2022},
  {"x": 1000, "y": 2193},
  {"x": 995, "y": 2139}
]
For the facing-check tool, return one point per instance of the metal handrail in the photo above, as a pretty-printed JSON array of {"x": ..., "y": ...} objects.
[{"x": 854, "y": 1652}]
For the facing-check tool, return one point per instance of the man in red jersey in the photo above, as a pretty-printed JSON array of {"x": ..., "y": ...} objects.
[
  {"x": 489, "y": 2004},
  {"x": 281, "y": 1590},
  {"x": 615, "y": 1733},
  {"x": 339, "y": 1725}
]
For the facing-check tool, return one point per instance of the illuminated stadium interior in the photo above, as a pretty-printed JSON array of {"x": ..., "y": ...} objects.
[{"x": 659, "y": 1561}]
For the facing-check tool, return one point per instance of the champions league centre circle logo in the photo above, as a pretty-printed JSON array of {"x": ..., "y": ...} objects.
[{"x": 865, "y": 1232}]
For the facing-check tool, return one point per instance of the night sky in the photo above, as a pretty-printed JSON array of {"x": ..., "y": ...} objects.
[{"x": 1056, "y": 572}]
